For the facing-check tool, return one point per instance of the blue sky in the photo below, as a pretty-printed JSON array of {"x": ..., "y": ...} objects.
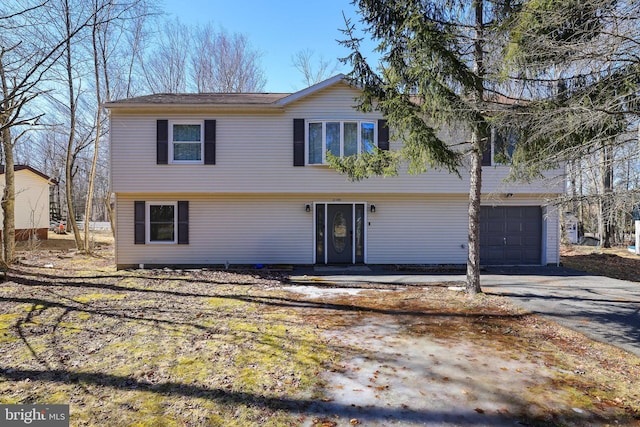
[{"x": 278, "y": 29}]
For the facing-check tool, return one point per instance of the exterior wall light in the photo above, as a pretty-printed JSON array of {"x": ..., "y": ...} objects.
[
  {"x": 372, "y": 208},
  {"x": 307, "y": 207}
]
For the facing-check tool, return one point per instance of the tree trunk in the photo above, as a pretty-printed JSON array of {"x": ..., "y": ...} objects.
[
  {"x": 107, "y": 98},
  {"x": 98, "y": 130},
  {"x": 9, "y": 193},
  {"x": 475, "y": 178},
  {"x": 8, "y": 200},
  {"x": 475, "y": 186},
  {"x": 573, "y": 171},
  {"x": 580, "y": 201},
  {"x": 92, "y": 179},
  {"x": 607, "y": 190},
  {"x": 71, "y": 215},
  {"x": 110, "y": 213}
]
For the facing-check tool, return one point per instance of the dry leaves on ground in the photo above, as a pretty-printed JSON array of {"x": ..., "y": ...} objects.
[{"x": 234, "y": 348}]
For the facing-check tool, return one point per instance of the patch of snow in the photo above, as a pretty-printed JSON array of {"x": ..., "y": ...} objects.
[
  {"x": 417, "y": 380},
  {"x": 321, "y": 292}
]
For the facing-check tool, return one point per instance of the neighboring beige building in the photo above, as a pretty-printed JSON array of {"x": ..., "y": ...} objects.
[
  {"x": 211, "y": 179},
  {"x": 32, "y": 202}
]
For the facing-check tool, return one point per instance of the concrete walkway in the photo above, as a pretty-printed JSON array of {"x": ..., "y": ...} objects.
[{"x": 604, "y": 309}]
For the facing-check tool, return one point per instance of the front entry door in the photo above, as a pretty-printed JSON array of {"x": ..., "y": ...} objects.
[{"x": 340, "y": 234}]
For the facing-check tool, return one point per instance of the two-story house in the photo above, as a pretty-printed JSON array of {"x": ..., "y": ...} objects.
[{"x": 212, "y": 179}]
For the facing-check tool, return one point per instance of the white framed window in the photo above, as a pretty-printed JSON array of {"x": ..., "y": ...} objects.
[
  {"x": 341, "y": 138},
  {"x": 186, "y": 142},
  {"x": 162, "y": 222}
]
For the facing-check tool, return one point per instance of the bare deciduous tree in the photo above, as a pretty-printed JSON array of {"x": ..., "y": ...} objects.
[
  {"x": 202, "y": 62},
  {"x": 313, "y": 71},
  {"x": 28, "y": 50},
  {"x": 202, "y": 59},
  {"x": 85, "y": 77},
  {"x": 577, "y": 62},
  {"x": 99, "y": 49},
  {"x": 165, "y": 65},
  {"x": 236, "y": 66}
]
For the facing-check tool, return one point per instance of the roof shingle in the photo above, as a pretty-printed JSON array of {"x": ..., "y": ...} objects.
[{"x": 203, "y": 99}]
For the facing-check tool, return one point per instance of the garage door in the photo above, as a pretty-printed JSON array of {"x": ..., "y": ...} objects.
[{"x": 510, "y": 235}]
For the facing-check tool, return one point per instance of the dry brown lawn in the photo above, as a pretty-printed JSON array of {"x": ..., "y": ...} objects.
[
  {"x": 616, "y": 262},
  {"x": 234, "y": 348}
]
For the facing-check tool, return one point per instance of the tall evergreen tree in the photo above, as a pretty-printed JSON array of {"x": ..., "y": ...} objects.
[
  {"x": 563, "y": 74},
  {"x": 432, "y": 74}
]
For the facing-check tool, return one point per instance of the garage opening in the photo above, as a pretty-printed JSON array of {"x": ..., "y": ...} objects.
[{"x": 510, "y": 235}]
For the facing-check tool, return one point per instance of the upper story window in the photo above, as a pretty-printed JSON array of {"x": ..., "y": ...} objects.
[
  {"x": 340, "y": 138},
  {"x": 500, "y": 151},
  {"x": 504, "y": 144},
  {"x": 186, "y": 142}
]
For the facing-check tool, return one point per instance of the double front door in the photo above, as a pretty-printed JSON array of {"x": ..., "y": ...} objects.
[{"x": 340, "y": 233}]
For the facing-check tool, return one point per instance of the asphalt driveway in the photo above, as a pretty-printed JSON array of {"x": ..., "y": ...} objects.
[{"x": 604, "y": 309}]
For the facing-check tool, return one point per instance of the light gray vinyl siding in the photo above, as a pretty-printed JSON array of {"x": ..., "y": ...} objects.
[
  {"x": 254, "y": 154},
  {"x": 276, "y": 229},
  {"x": 238, "y": 230},
  {"x": 494, "y": 181},
  {"x": 418, "y": 230},
  {"x": 551, "y": 237}
]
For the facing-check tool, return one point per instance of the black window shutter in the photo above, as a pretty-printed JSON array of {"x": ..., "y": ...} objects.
[
  {"x": 486, "y": 153},
  {"x": 298, "y": 142},
  {"x": 183, "y": 223},
  {"x": 162, "y": 142},
  {"x": 139, "y": 223},
  {"x": 209, "y": 142},
  {"x": 383, "y": 135}
]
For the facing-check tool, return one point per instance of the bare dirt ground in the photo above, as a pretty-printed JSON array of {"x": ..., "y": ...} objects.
[{"x": 245, "y": 348}]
